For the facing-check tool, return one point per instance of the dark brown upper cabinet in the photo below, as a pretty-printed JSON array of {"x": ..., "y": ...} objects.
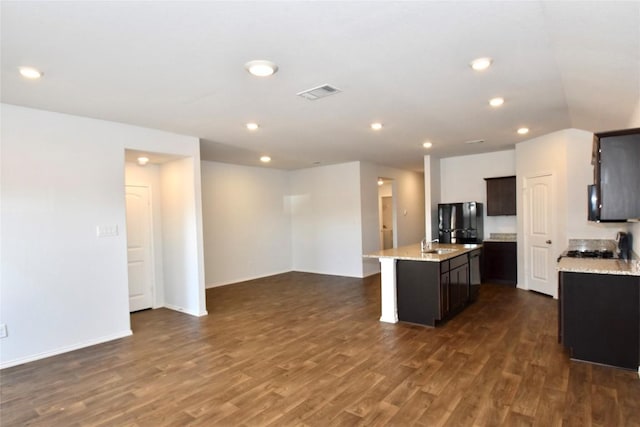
[
  {"x": 616, "y": 160},
  {"x": 501, "y": 196}
]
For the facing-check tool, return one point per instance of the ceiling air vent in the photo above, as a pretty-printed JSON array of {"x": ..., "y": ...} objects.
[{"x": 318, "y": 92}]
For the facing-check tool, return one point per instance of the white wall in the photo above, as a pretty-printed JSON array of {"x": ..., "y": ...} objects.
[
  {"x": 247, "y": 227},
  {"x": 408, "y": 195},
  {"x": 182, "y": 237},
  {"x": 149, "y": 176},
  {"x": 260, "y": 222},
  {"x": 62, "y": 287},
  {"x": 326, "y": 221},
  {"x": 432, "y": 195},
  {"x": 462, "y": 180},
  {"x": 370, "y": 208}
]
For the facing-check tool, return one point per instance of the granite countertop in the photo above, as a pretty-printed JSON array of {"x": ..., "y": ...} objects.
[
  {"x": 502, "y": 237},
  {"x": 600, "y": 266},
  {"x": 413, "y": 253}
]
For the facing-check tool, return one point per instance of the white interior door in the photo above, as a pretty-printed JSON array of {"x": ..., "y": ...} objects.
[
  {"x": 539, "y": 260},
  {"x": 139, "y": 260},
  {"x": 387, "y": 222}
]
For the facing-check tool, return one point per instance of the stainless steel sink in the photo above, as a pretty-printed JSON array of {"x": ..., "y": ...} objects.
[{"x": 440, "y": 251}]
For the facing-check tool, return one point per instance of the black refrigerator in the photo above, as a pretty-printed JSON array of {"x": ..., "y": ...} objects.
[{"x": 460, "y": 222}]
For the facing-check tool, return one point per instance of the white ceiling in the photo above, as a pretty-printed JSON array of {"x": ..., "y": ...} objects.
[{"x": 178, "y": 66}]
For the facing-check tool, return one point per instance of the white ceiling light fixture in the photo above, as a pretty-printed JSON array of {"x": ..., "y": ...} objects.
[
  {"x": 376, "y": 126},
  {"x": 30, "y": 73},
  {"x": 261, "y": 68},
  {"x": 265, "y": 159},
  {"x": 496, "y": 102},
  {"x": 252, "y": 126},
  {"x": 380, "y": 181},
  {"x": 427, "y": 144},
  {"x": 142, "y": 160},
  {"x": 481, "y": 64},
  {"x": 523, "y": 131}
]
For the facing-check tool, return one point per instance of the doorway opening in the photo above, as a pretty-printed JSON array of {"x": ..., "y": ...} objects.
[
  {"x": 387, "y": 218},
  {"x": 151, "y": 202}
]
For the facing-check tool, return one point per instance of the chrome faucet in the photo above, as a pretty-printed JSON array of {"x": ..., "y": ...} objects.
[{"x": 427, "y": 245}]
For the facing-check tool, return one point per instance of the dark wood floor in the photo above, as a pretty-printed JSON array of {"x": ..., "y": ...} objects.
[{"x": 304, "y": 349}]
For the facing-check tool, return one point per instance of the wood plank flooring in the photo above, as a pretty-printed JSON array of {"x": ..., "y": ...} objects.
[{"x": 301, "y": 349}]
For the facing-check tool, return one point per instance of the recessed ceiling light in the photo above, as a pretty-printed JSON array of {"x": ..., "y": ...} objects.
[
  {"x": 523, "y": 131},
  {"x": 252, "y": 126},
  {"x": 496, "y": 102},
  {"x": 380, "y": 181},
  {"x": 376, "y": 126},
  {"x": 481, "y": 64},
  {"x": 30, "y": 73},
  {"x": 142, "y": 161},
  {"x": 261, "y": 68},
  {"x": 427, "y": 144},
  {"x": 265, "y": 159}
]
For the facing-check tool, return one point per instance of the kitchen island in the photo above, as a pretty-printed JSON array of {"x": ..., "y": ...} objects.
[{"x": 424, "y": 288}]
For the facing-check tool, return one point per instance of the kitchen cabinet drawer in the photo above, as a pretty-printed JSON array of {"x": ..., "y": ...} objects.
[
  {"x": 458, "y": 261},
  {"x": 444, "y": 266}
]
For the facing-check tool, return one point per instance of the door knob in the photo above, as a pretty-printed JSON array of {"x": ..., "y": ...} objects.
[{"x": 548, "y": 242}]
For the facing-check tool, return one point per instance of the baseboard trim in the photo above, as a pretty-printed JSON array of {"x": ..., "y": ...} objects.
[
  {"x": 185, "y": 311},
  {"x": 245, "y": 279},
  {"x": 65, "y": 349}
]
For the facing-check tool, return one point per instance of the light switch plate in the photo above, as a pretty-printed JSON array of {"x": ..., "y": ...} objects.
[
  {"x": 3, "y": 330},
  {"x": 107, "y": 230}
]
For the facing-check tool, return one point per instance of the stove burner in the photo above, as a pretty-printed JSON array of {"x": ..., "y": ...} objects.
[{"x": 590, "y": 254}]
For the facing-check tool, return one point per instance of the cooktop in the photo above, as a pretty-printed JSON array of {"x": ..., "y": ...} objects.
[{"x": 589, "y": 254}]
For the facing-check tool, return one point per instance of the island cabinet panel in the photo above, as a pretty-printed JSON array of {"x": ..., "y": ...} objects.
[
  {"x": 418, "y": 292},
  {"x": 428, "y": 292},
  {"x": 599, "y": 318}
]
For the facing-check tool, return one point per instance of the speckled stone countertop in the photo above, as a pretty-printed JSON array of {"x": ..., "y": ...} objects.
[
  {"x": 413, "y": 253},
  {"x": 502, "y": 237},
  {"x": 600, "y": 266},
  {"x": 592, "y": 244}
]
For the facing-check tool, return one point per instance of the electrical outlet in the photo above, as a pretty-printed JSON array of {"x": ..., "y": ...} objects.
[{"x": 3, "y": 330}]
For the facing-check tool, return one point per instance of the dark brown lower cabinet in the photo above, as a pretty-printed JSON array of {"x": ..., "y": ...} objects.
[
  {"x": 428, "y": 292},
  {"x": 500, "y": 262},
  {"x": 599, "y": 318},
  {"x": 459, "y": 282}
]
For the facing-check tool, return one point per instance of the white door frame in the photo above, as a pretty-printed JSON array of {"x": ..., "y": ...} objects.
[{"x": 554, "y": 225}]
